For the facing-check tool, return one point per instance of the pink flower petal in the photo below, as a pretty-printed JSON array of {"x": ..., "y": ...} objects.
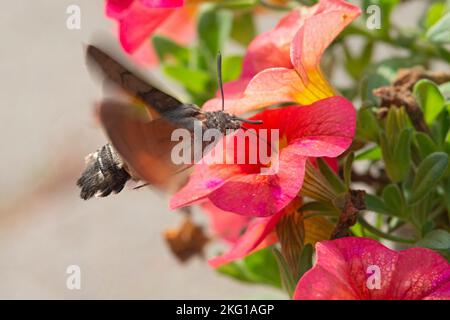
[
  {"x": 139, "y": 19},
  {"x": 341, "y": 272},
  {"x": 441, "y": 293},
  {"x": 231, "y": 188},
  {"x": 420, "y": 273},
  {"x": 162, "y": 3},
  {"x": 333, "y": 163},
  {"x": 179, "y": 27},
  {"x": 258, "y": 235},
  {"x": 138, "y": 22},
  {"x": 202, "y": 181},
  {"x": 145, "y": 55},
  {"x": 277, "y": 42},
  {"x": 259, "y": 195},
  {"x": 250, "y": 241},
  {"x": 226, "y": 225},
  {"x": 322, "y": 129},
  {"x": 114, "y": 8},
  {"x": 331, "y": 17},
  {"x": 268, "y": 87}
]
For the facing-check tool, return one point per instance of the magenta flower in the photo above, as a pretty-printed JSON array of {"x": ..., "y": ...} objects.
[
  {"x": 254, "y": 234},
  {"x": 139, "y": 19},
  {"x": 349, "y": 268},
  {"x": 225, "y": 225}
]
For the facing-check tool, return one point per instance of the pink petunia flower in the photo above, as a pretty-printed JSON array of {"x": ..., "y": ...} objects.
[
  {"x": 283, "y": 65},
  {"x": 322, "y": 129},
  {"x": 256, "y": 233},
  {"x": 225, "y": 225},
  {"x": 246, "y": 235},
  {"x": 139, "y": 19},
  {"x": 364, "y": 269}
]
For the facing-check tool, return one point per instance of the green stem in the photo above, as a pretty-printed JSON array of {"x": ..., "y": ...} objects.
[
  {"x": 382, "y": 234},
  {"x": 396, "y": 226},
  {"x": 436, "y": 212},
  {"x": 273, "y": 6},
  {"x": 412, "y": 44}
]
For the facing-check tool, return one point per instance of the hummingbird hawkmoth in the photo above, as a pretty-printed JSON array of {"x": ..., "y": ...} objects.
[{"x": 140, "y": 140}]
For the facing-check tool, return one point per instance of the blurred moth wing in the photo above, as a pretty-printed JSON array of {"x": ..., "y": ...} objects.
[
  {"x": 144, "y": 144},
  {"x": 130, "y": 81},
  {"x": 140, "y": 136}
]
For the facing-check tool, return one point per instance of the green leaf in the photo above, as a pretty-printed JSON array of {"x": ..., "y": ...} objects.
[
  {"x": 429, "y": 98},
  {"x": 439, "y": 32},
  {"x": 231, "y": 68},
  {"x": 170, "y": 51},
  {"x": 333, "y": 179},
  {"x": 429, "y": 172},
  {"x": 193, "y": 80},
  {"x": 319, "y": 208},
  {"x": 433, "y": 14},
  {"x": 357, "y": 230},
  {"x": 445, "y": 90},
  {"x": 375, "y": 204},
  {"x": 286, "y": 277},
  {"x": 235, "y": 270},
  {"x": 393, "y": 198},
  {"x": 436, "y": 239},
  {"x": 355, "y": 66},
  {"x": 373, "y": 154},
  {"x": 263, "y": 267},
  {"x": 367, "y": 125},
  {"x": 243, "y": 30},
  {"x": 396, "y": 153},
  {"x": 425, "y": 145},
  {"x": 213, "y": 29},
  {"x": 305, "y": 260},
  {"x": 237, "y": 4},
  {"x": 371, "y": 81},
  {"x": 396, "y": 121},
  {"x": 440, "y": 128},
  {"x": 402, "y": 153},
  {"x": 447, "y": 196},
  {"x": 259, "y": 267}
]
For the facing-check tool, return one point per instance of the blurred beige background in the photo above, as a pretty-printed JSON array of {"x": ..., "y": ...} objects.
[{"x": 47, "y": 128}]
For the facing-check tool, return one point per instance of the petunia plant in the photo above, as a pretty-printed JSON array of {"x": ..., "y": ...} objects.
[{"x": 359, "y": 204}]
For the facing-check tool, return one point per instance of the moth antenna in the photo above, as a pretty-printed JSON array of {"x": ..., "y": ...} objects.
[
  {"x": 141, "y": 186},
  {"x": 248, "y": 121},
  {"x": 219, "y": 76}
]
